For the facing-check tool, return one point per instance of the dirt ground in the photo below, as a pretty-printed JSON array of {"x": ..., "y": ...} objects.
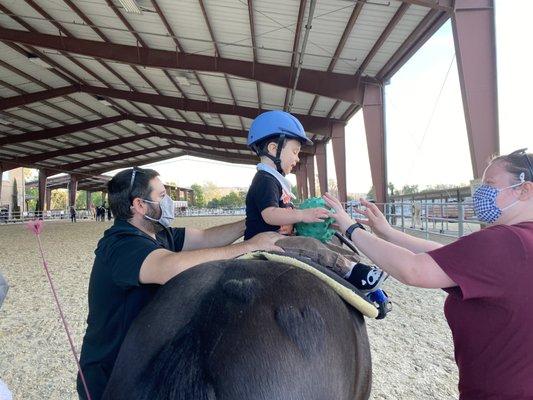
[{"x": 412, "y": 349}]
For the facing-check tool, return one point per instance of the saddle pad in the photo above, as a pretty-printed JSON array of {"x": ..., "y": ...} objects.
[{"x": 350, "y": 296}]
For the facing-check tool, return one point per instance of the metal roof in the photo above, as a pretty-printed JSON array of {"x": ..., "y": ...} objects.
[{"x": 87, "y": 87}]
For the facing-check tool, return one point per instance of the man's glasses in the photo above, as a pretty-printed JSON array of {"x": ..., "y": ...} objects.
[{"x": 523, "y": 152}]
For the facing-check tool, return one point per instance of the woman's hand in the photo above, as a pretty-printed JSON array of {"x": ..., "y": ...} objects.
[
  {"x": 374, "y": 219},
  {"x": 340, "y": 216}
]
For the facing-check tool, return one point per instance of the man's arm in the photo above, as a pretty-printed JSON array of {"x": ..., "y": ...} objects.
[
  {"x": 216, "y": 236},
  {"x": 162, "y": 265}
]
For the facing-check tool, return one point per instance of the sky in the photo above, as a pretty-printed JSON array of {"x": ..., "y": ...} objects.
[{"x": 426, "y": 134}]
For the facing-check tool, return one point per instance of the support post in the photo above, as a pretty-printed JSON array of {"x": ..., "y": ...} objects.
[
  {"x": 303, "y": 178},
  {"x": 374, "y": 117},
  {"x": 48, "y": 195},
  {"x": 322, "y": 167},
  {"x": 72, "y": 190},
  {"x": 475, "y": 47},
  {"x": 311, "y": 175},
  {"x": 41, "y": 190},
  {"x": 338, "y": 141}
]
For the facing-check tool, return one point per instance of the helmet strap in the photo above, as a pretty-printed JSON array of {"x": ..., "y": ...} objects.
[{"x": 277, "y": 159}]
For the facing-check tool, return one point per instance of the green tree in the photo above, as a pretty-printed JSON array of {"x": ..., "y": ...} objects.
[
  {"x": 371, "y": 195},
  {"x": 59, "y": 199},
  {"x": 410, "y": 189},
  {"x": 81, "y": 200},
  {"x": 198, "y": 195}
]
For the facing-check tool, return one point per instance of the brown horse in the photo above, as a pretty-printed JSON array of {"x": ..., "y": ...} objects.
[{"x": 244, "y": 330}]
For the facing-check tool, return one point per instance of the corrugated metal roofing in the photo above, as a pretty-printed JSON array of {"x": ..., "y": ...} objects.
[{"x": 223, "y": 31}]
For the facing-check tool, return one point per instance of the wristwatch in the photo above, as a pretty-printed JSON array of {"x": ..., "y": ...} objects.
[{"x": 352, "y": 228}]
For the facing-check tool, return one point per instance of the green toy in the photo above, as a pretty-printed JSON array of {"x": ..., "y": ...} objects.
[{"x": 318, "y": 230}]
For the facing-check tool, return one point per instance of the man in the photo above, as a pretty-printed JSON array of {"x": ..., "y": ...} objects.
[{"x": 138, "y": 253}]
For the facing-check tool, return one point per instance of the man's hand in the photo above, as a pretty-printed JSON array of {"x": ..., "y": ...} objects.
[{"x": 265, "y": 241}]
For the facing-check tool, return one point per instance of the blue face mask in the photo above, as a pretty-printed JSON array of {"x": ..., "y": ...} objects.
[
  {"x": 485, "y": 202},
  {"x": 167, "y": 211}
]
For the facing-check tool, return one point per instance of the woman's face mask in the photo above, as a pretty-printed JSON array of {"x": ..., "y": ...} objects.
[
  {"x": 485, "y": 205},
  {"x": 167, "y": 211}
]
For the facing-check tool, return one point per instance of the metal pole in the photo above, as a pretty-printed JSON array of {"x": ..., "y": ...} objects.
[
  {"x": 426, "y": 216},
  {"x": 461, "y": 218},
  {"x": 403, "y": 220}
]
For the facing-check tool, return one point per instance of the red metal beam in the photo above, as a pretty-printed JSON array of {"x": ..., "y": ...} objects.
[
  {"x": 314, "y": 124},
  {"x": 425, "y": 29},
  {"x": 338, "y": 86},
  {"x": 342, "y": 42},
  {"x": 80, "y": 164},
  {"x": 318, "y": 125},
  {"x": 62, "y": 130},
  {"x": 295, "y": 44},
  {"x": 383, "y": 37},
  {"x": 35, "y": 158},
  {"x": 441, "y": 5},
  {"x": 254, "y": 51},
  {"x": 29, "y": 98}
]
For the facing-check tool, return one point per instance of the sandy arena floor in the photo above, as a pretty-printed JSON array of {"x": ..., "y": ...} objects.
[{"x": 412, "y": 349}]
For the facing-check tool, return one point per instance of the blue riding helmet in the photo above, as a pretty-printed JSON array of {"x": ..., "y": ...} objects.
[{"x": 273, "y": 124}]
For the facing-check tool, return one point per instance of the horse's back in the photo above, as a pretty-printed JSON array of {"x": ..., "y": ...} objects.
[{"x": 244, "y": 330}]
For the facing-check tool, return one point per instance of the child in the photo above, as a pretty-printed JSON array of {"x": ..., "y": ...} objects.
[{"x": 276, "y": 137}]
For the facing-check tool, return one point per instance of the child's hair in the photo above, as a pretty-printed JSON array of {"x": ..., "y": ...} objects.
[
  {"x": 263, "y": 145},
  {"x": 516, "y": 163}
]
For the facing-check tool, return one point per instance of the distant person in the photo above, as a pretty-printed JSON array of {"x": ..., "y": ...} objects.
[
  {"x": 488, "y": 276},
  {"x": 72, "y": 214}
]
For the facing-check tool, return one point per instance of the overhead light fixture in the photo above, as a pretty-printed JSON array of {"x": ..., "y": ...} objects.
[
  {"x": 130, "y": 6},
  {"x": 34, "y": 59},
  {"x": 103, "y": 101}
]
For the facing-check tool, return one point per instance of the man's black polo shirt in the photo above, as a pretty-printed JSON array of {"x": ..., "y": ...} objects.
[
  {"x": 265, "y": 191},
  {"x": 116, "y": 297}
]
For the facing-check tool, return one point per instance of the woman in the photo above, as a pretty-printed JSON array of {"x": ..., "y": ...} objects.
[{"x": 488, "y": 276}]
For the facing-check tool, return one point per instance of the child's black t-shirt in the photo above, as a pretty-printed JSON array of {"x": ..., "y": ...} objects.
[{"x": 265, "y": 191}]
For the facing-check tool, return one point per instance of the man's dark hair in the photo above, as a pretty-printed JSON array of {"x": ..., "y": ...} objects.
[{"x": 122, "y": 190}]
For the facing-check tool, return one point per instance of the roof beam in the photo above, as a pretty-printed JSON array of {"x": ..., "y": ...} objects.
[
  {"x": 383, "y": 37},
  {"x": 80, "y": 164},
  {"x": 28, "y": 98},
  {"x": 425, "y": 29},
  {"x": 295, "y": 45},
  {"x": 340, "y": 46},
  {"x": 441, "y": 5},
  {"x": 317, "y": 125},
  {"x": 62, "y": 130},
  {"x": 35, "y": 158},
  {"x": 334, "y": 85}
]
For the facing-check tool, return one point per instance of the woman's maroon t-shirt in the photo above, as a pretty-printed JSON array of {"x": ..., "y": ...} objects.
[{"x": 490, "y": 312}]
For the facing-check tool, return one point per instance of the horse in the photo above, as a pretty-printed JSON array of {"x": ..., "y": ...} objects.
[{"x": 244, "y": 330}]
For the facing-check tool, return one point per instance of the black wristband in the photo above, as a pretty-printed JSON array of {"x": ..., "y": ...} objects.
[{"x": 352, "y": 228}]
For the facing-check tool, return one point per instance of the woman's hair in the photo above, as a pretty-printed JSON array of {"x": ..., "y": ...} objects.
[
  {"x": 516, "y": 163},
  {"x": 123, "y": 189}
]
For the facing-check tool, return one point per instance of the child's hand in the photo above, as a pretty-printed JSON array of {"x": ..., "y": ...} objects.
[
  {"x": 310, "y": 215},
  {"x": 286, "y": 230}
]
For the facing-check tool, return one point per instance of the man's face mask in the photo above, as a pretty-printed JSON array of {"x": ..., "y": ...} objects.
[
  {"x": 485, "y": 202},
  {"x": 166, "y": 206}
]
